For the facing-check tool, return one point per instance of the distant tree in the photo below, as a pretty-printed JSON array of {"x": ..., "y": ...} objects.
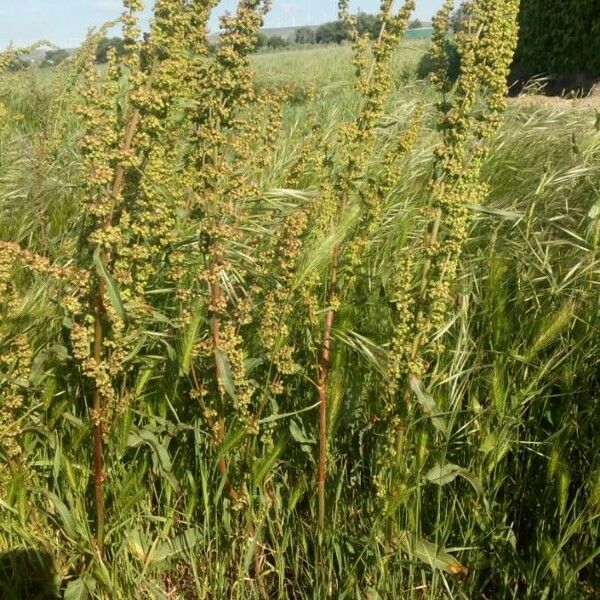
[
  {"x": 18, "y": 64},
  {"x": 277, "y": 42},
  {"x": 416, "y": 24},
  {"x": 305, "y": 35},
  {"x": 261, "y": 40},
  {"x": 54, "y": 57},
  {"x": 427, "y": 65},
  {"x": 368, "y": 24},
  {"x": 460, "y": 18},
  {"x": 333, "y": 32},
  {"x": 105, "y": 45},
  {"x": 560, "y": 37}
]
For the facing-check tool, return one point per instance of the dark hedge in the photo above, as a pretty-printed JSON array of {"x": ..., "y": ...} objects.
[{"x": 560, "y": 36}]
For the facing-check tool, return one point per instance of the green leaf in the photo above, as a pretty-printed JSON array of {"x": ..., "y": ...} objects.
[
  {"x": 137, "y": 543},
  {"x": 190, "y": 337},
  {"x": 250, "y": 550},
  {"x": 162, "y": 452},
  {"x": 443, "y": 474},
  {"x": 299, "y": 435},
  {"x": 372, "y": 594},
  {"x": 181, "y": 543},
  {"x": 437, "y": 558},
  {"x": 80, "y": 589},
  {"x": 496, "y": 212},
  {"x": 279, "y": 416},
  {"x": 264, "y": 466},
  {"x": 111, "y": 286},
  {"x": 428, "y": 405},
  {"x": 65, "y": 516},
  {"x": 76, "y": 590},
  {"x": 473, "y": 480},
  {"x": 550, "y": 329},
  {"x": 232, "y": 440},
  {"x": 251, "y": 363},
  {"x": 225, "y": 373}
]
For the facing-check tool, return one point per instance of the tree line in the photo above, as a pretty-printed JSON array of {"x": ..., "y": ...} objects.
[{"x": 333, "y": 32}]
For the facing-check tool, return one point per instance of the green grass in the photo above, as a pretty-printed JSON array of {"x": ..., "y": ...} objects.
[{"x": 518, "y": 387}]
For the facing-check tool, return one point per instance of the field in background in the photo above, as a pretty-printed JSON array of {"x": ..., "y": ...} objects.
[
  {"x": 329, "y": 66},
  {"x": 519, "y": 384}
]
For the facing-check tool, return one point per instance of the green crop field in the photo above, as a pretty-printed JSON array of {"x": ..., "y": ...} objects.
[{"x": 269, "y": 333}]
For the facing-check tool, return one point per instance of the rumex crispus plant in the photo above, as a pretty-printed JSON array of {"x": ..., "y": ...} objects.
[{"x": 217, "y": 284}]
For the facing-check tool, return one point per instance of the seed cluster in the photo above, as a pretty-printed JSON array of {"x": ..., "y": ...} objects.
[
  {"x": 470, "y": 115},
  {"x": 175, "y": 271},
  {"x": 16, "y": 362},
  {"x": 426, "y": 277}
]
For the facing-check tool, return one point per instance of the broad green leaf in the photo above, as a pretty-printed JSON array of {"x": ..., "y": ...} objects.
[
  {"x": 473, "y": 480},
  {"x": 299, "y": 435},
  {"x": 112, "y": 288},
  {"x": 65, "y": 516},
  {"x": 162, "y": 453},
  {"x": 80, "y": 589},
  {"x": 443, "y": 474},
  {"x": 263, "y": 467},
  {"x": 437, "y": 558},
  {"x": 76, "y": 590},
  {"x": 428, "y": 405},
  {"x": 251, "y": 363},
  {"x": 180, "y": 544},
  {"x": 190, "y": 337},
  {"x": 225, "y": 373}
]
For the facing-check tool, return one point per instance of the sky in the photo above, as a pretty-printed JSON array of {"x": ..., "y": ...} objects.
[{"x": 65, "y": 22}]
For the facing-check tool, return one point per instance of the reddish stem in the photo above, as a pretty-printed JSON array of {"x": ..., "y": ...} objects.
[
  {"x": 97, "y": 399},
  {"x": 323, "y": 383},
  {"x": 97, "y": 403}
]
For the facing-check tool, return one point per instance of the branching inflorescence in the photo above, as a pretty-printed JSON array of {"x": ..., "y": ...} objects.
[
  {"x": 470, "y": 114},
  {"x": 184, "y": 270}
]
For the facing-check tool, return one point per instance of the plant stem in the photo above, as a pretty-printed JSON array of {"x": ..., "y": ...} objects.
[
  {"x": 99, "y": 310},
  {"x": 222, "y": 463},
  {"x": 323, "y": 381},
  {"x": 216, "y": 339},
  {"x": 97, "y": 404}
]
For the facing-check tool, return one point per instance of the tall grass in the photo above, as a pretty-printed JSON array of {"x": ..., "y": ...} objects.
[{"x": 216, "y": 288}]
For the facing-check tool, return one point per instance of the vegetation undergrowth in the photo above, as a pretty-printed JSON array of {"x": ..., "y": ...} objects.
[{"x": 264, "y": 336}]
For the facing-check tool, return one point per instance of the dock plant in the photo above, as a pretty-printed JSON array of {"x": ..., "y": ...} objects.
[
  {"x": 312, "y": 335},
  {"x": 428, "y": 274}
]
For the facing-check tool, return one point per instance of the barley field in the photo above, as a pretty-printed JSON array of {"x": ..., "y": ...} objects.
[{"x": 297, "y": 325}]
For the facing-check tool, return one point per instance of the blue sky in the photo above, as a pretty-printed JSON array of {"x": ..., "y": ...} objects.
[{"x": 65, "y": 22}]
